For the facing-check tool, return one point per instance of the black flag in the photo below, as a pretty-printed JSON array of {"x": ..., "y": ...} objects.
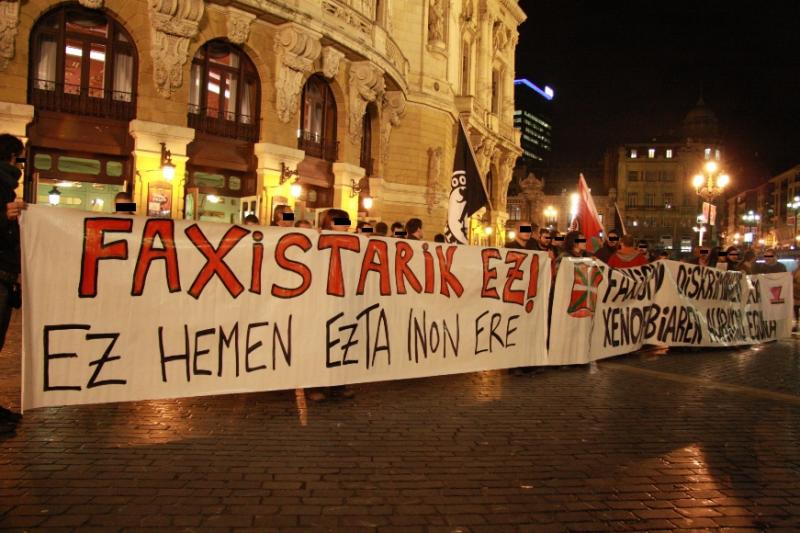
[{"x": 467, "y": 193}]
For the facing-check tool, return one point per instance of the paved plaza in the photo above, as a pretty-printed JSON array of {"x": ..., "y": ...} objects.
[{"x": 696, "y": 440}]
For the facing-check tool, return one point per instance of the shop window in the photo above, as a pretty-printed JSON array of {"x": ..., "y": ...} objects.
[
  {"x": 82, "y": 62},
  {"x": 224, "y": 92},
  {"x": 317, "y": 134},
  {"x": 42, "y": 162},
  {"x": 79, "y": 165}
]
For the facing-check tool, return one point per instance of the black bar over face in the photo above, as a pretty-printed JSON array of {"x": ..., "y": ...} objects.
[{"x": 125, "y": 207}]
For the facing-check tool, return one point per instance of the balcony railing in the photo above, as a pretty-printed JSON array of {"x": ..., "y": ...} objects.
[
  {"x": 315, "y": 145},
  {"x": 223, "y": 124},
  {"x": 68, "y": 98}
]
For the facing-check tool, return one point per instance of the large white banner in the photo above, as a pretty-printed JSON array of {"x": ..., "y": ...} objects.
[
  {"x": 121, "y": 308},
  {"x": 606, "y": 312}
]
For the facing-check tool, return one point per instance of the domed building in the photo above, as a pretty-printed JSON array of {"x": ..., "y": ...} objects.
[
  {"x": 216, "y": 109},
  {"x": 654, "y": 181}
]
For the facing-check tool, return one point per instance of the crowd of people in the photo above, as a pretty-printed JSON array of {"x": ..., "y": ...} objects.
[{"x": 623, "y": 251}]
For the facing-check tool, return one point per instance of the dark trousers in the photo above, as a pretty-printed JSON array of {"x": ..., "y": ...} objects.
[{"x": 5, "y": 312}]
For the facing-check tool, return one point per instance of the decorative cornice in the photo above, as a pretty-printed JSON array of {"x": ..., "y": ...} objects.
[
  {"x": 238, "y": 24},
  {"x": 174, "y": 24},
  {"x": 296, "y": 51},
  {"x": 9, "y": 26},
  {"x": 393, "y": 109},
  {"x": 366, "y": 85},
  {"x": 331, "y": 58}
]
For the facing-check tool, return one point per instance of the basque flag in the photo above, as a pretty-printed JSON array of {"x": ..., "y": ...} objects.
[{"x": 467, "y": 192}]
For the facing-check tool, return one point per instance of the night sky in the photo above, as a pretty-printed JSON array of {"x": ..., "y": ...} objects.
[{"x": 628, "y": 71}]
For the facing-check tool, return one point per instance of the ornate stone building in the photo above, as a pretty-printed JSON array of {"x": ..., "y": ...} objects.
[{"x": 245, "y": 98}]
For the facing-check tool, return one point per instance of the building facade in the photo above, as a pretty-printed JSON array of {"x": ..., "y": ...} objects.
[
  {"x": 654, "y": 182},
  {"x": 761, "y": 216},
  {"x": 244, "y": 100},
  {"x": 532, "y": 117}
]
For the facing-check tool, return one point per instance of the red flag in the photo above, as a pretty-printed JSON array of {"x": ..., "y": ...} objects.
[{"x": 587, "y": 217}]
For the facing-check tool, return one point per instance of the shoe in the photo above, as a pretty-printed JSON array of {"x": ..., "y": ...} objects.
[
  {"x": 10, "y": 416},
  {"x": 315, "y": 396}
]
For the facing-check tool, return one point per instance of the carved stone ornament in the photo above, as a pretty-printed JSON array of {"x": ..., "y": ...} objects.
[
  {"x": 239, "y": 25},
  {"x": 92, "y": 4},
  {"x": 484, "y": 149},
  {"x": 392, "y": 110},
  {"x": 296, "y": 52},
  {"x": 9, "y": 26},
  {"x": 173, "y": 24},
  {"x": 366, "y": 85},
  {"x": 434, "y": 175},
  {"x": 436, "y": 21},
  {"x": 468, "y": 13},
  {"x": 331, "y": 58}
]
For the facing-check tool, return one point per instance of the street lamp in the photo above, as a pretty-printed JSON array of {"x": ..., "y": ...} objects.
[
  {"x": 710, "y": 184},
  {"x": 751, "y": 220},
  {"x": 550, "y": 215},
  {"x": 794, "y": 205}
]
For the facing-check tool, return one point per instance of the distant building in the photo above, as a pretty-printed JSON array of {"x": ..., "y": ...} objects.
[
  {"x": 653, "y": 180},
  {"x": 532, "y": 116},
  {"x": 760, "y": 216}
]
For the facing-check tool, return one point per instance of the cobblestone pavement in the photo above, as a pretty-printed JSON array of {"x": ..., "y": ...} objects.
[{"x": 698, "y": 440}]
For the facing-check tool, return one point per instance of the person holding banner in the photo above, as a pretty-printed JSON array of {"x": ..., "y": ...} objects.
[
  {"x": 610, "y": 246},
  {"x": 11, "y": 148},
  {"x": 771, "y": 264},
  {"x": 333, "y": 220},
  {"x": 522, "y": 234}
]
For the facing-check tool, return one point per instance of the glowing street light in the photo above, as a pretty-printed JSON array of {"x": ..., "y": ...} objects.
[{"x": 550, "y": 215}]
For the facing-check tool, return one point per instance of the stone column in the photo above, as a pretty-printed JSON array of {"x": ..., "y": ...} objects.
[
  {"x": 345, "y": 175},
  {"x": 147, "y": 137},
  {"x": 268, "y": 186}
]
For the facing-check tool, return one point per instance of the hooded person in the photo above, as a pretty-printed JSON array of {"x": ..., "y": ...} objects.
[
  {"x": 628, "y": 256},
  {"x": 610, "y": 246}
]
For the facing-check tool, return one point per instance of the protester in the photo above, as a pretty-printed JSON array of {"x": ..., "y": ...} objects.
[
  {"x": 333, "y": 220},
  {"x": 10, "y": 149},
  {"x": 732, "y": 258},
  {"x": 662, "y": 255},
  {"x": 644, "y": 250},
  {"x": 796, "y": 290},
  {"x": 610, "y": 246},
  {"x": 381, "y": 229},
  {"x": 282, "y": 216},
  {"x": 414, "y": 229},
  {"x": 251, "y": 220},
  {"x": 627, "y": 256},
  {"x": 543, "y": 243},
  {"x": 702, "y": 256},
  {"x": 558, "y": 241},
  {"x": 748, "y": 262},
  {"x": 365, "y": 228},
  {"x": 439, "y": 238},
  {"x": 771, "y": 264},
  {"x": 303, "y": 224},
  {"x": 522, "y": 234},
  {"x": 574, "y": 246},
  {"x": 398, "y": 227},
  {"x": 124, "y": 197}
]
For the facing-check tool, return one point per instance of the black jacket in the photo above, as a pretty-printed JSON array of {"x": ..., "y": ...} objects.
[{"x": 9, "y": 229}]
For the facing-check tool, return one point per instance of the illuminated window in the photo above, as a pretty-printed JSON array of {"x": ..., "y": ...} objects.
[
  {"x": 224, "y": 92},
  {"x": 318, "y": 120},
  {"x": 82, "y": 61},
  {"x": 651, "y": 153},
  {"x": 633, "y": 154},
  {"x": 708, "y": 153},
  {"x": 716, "y": 154},
  {"x": 669, "y": 153}
]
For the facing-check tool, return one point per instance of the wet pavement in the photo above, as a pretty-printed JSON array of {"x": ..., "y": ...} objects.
[{"x": 697, "y": 440}]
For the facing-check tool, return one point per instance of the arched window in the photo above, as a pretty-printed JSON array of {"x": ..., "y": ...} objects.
[
  {"x": 82, "y": 62},
  {"x": 224, "y": 92},
  {"x": 317, "y": 135}
]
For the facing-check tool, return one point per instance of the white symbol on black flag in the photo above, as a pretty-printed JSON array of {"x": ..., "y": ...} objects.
[{"x": 467, "y": 193}]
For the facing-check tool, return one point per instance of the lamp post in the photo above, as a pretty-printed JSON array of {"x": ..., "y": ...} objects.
[
  {"x": 550, "y": 215},
  {"x": 709, "y": 185},
  {"x": 751, "y": 219},
  {"x": 794, "y": 205}
]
